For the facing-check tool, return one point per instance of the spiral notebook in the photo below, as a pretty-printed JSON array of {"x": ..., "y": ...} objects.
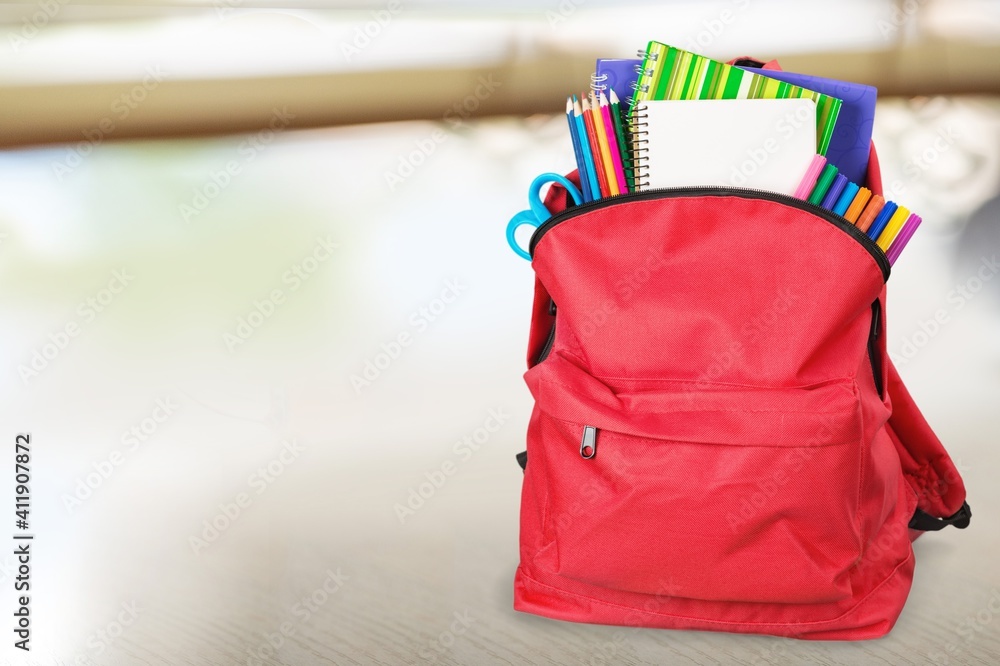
[
  {"x": 850, "y": 144},
  {"x": 734, "y": 143},
  {"x": 618, "y": 74},
  {"x": 671, "y": 73}
]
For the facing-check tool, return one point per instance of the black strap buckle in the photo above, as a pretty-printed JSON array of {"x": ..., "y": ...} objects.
[{"x": 927, "y": 523}]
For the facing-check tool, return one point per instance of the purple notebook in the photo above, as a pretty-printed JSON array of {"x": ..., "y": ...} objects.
[
  {"x": 852, "y": 135},
  {"x": 616, "y": 74}
]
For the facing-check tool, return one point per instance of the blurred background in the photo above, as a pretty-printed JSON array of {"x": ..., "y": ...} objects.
[{"x": 259, "y": 317}]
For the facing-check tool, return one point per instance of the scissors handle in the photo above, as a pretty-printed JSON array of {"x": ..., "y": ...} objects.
[
  {"x": 538, "y": 213},
  {"x": 525, "y": 217},
  {"x": 535, "y": 194}
]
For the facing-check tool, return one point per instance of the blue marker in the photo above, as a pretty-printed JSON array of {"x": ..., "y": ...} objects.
[
  {"x": 883, "y": 218},
  {"x": 833, "y": 193},
  {"x": 845, "y": 200}
]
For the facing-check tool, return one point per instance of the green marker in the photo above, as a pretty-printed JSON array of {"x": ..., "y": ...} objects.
[{"x": 823, "y": 184}]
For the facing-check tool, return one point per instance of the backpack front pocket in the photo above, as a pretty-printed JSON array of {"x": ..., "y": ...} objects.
[{"x": 712, "y": 492}]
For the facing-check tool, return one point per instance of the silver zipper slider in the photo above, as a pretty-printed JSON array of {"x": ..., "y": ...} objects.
[{"x": 588, "y": 444}]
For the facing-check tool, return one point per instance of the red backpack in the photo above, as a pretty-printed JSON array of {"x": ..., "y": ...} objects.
[{"x": 719, "y": 439}]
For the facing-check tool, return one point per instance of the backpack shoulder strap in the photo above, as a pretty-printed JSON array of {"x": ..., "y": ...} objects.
[{"x": 926, "y": 464}]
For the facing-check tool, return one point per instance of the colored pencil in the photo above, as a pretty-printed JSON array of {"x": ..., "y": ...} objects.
[
  {"x": 595, "y": 149},
  {"x": 613, "y": 147},
  {"x": 581, "y": 166},
  {"x": 602, "y": 140},
  {"x": 588, "y": 157},
  {"x": 616, "y": 115}
]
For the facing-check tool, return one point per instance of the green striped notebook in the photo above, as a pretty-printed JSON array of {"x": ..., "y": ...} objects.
[{"x": 671, "y": 73}]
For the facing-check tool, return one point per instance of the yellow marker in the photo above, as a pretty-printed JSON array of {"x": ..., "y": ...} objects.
[
  {"x": 602, "y": 141},
  {"x": 892, "y": 228}
]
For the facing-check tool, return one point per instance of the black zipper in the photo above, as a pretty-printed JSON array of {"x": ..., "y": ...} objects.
[
  {"x": 542, "y": 355},
  {"x": 743, "y": 192},
  {"x": 547, "y": 347},
  {"x": 874, "y": 356}
]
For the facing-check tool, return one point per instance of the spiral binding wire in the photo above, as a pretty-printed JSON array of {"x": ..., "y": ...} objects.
[
  {"x": 597, "y": 85},
  {"x": 644, "y": 56},
  {"x": 637, "y": 124}
]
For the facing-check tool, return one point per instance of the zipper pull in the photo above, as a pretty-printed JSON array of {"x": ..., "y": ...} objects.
[{"x": 588, "y": 444}]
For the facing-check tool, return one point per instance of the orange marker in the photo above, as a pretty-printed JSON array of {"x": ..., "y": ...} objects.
[
  {"x": 858, "y": 205},
  {"x": 871, "y": 212}
]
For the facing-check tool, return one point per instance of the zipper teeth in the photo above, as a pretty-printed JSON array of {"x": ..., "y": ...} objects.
[
  {"x": 744, "y": 192},
  {"x": 874, "y": 357},
  {"x": 547, "y": 348}
]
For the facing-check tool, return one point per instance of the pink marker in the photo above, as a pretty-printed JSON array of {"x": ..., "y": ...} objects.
[
  {"x": 809, "y": 180},
  {"x": 905, "y": 234}
]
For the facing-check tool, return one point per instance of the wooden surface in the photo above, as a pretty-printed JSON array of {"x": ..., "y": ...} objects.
[
  {"x": 405, "y": 585},
  {"x": 330, "y": 505}
]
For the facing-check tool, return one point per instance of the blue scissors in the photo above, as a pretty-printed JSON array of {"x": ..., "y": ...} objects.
[{"x": 538, "y": 213}]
